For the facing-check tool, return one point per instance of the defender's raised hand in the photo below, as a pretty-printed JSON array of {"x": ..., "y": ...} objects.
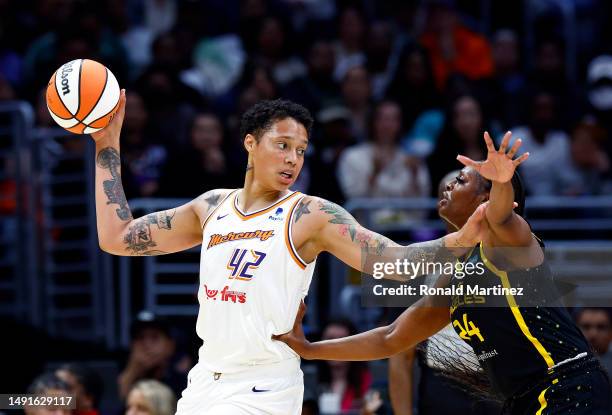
[{"x": 500, "y": 164}]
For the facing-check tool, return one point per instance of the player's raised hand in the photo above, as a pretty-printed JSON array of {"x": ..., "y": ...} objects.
[
  {"x": 500, "y": 164},
  {"x": 296, "y": 338},
  {"x": 113, "y": 129}
]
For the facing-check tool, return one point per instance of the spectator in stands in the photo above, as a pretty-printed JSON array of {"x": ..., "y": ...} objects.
[
  {"x": 599, "y": 91},
  {"x": 144, "y": 159},
  {"x": 329, "y": 140},
  {"x": 550, "y": 75},
  {"x": 204, "y": 161},
  {"x": 48, "y": 384},
  {"x": 379, "y": 168},
  {"x": 357, "y": 94},
  {"x": 85, "y": 385},
  {"x": 452, "y": 46},
  {"x": 318, "y": 87},
  {"x": 150, "y": 397},
  {"x": 344, "y": 383},
  {"x": 547, "y": 144},
  {"x": 589, "y": 172},
  {"x": 508, "y": 86},
  {"x": 380, "y": 52},
  {"x": 153, "y": 355},
  {"x": 461, "y": 134},
  {"x": 596, "y": 325},
  {"x": 170, "y": 103},
  {"x": 256, "y": 83},
  {"x": 274, "y": 50},
  {"x": 349, "y": 48},
  {"x": 413, "y": 86}
]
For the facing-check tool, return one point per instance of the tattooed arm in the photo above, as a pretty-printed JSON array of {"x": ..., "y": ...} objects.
[
  {"x": 154, "y": 234},
  {"x": 334, "y": 230}
]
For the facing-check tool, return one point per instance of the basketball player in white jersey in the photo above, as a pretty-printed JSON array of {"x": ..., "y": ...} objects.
[{"x": 259, "y": 246}]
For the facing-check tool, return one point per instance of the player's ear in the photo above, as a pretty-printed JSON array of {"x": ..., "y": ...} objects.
[{"x": 249, "y": 142}]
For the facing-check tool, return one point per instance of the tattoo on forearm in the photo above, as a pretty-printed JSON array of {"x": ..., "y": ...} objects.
[
  {"x": 301, "y": 209},
  {"x": 163, "y": 220},
  {"x": 108, "y": 158},
  {"x": 139, "y": 238},
  {"x": 349, "y": 227},
  {"x": 429, "y": 251}
]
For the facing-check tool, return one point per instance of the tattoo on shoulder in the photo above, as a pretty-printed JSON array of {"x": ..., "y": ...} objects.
[
  {"x": 301, "y": 209},
  {"x": 108, "y": 158},
  {"x": 139, "y": 239},
  {"x": 213, "y": 199}
]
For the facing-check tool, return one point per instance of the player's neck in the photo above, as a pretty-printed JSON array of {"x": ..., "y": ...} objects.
[{"x": 255, "y": 196}]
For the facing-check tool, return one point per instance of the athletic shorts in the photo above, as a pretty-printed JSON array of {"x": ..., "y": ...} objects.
[
  {"x": 275, "y": 389},
  {"x": 581, "y": 388}
]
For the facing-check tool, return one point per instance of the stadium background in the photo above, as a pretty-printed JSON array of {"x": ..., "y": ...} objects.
[{"x": 397, "y": 88}]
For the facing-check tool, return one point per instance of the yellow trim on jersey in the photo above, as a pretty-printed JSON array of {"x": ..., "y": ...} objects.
[
  {"x": 542, "y": 400},
  {"x": 257, "y": 213},
  {"x": 516, "y": 311},
  {"x": 288, "y": 241}
]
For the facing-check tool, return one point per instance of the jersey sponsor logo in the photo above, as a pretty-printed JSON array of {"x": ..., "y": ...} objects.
[
  {"x": 487, "y": 355},
  {"x": 219, "y": 217},
  {"x": 226, "y": 295},
  {"x": 277, "y": 214},
  {"x": 217, "y": 239}
]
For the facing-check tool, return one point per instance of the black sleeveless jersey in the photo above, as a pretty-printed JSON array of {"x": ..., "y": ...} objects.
[{"x": 514, "y": 343}]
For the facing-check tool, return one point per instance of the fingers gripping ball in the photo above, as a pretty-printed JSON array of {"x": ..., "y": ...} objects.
[{"x": 83, "y": 96}]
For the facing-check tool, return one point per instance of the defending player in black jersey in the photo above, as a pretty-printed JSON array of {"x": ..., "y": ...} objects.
[{"x": 535, "y": 357}]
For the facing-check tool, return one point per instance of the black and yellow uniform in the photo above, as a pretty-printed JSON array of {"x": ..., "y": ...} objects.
[{"x": 535, "y": 357}]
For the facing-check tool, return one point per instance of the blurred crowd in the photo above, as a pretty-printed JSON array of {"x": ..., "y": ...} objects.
[
  {"x": 155, "y": 372},
  {"x": 397, "y": 88}
]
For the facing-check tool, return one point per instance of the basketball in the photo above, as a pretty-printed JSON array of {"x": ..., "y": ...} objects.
[{"x": 83, "y": 96}]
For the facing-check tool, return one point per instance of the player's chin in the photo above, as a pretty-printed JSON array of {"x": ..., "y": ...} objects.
[
  {"x": 443, "y": 205},
  {"x": 283, "y": 183}
]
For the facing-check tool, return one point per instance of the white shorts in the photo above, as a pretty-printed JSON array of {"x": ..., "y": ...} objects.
[{"x": 275, "y": 389}]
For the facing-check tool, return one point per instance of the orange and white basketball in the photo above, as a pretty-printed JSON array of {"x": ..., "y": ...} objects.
[{"x": 83, "y": 96}]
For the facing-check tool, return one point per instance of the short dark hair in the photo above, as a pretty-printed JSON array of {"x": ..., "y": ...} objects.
[
  {"x": 260, "y": 117},
  {"x": 88, "y": 378},
  {"x": 45, "y": 382},
  {"x": 606, "y": 310}
]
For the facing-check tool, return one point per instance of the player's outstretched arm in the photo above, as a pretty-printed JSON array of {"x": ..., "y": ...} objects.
[
  {"x": 334, "y": 230},
  {"x": 154, "y": 234},
  {"x": 421, "y": 320},
  {"x": 507, "y": 228}
]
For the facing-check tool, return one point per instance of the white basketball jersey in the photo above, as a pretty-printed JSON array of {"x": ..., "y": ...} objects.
[{"x": 251, "y": 283}]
